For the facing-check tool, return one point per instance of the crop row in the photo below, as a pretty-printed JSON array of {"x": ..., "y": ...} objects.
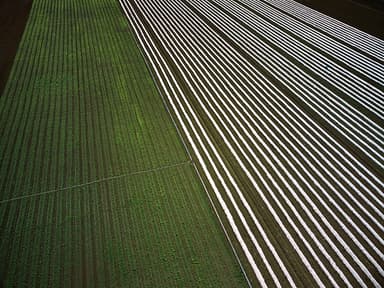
[
  {"x": 96, "y": 188},
  {"x": 292, "y": 154}
]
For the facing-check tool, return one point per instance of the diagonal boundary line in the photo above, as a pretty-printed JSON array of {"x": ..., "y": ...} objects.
[
  {"x": 150, "y": 69},
  {"x": 98, "y": 181}
]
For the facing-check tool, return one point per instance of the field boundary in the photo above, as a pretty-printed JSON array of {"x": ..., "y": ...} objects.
[{"x": 184, "y": 144}]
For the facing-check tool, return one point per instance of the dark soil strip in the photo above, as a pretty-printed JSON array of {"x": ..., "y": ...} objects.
[
  {"x": 13, "y": 17},
  {"x": 366, "y": 15}
]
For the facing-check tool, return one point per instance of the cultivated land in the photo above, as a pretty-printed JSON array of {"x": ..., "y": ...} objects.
[
  {"x": 282, "y": 108},
  {"x": 282, "y": 111},
  {"x": 97, "y": 189}
]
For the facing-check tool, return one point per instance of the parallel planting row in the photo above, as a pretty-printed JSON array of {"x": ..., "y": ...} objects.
[
  {"x": 96, "y": 188},
  {"x": 284, "y": 118}
]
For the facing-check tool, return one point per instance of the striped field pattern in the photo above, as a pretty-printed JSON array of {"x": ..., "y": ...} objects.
[
  {"x": 282, "y": 109},
  {"x": 96, "y": 186}
]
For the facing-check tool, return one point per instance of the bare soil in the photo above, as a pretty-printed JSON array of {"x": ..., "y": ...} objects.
[
  {"x": 13, "y": 17},
  {"x": 366, "y": 15}
]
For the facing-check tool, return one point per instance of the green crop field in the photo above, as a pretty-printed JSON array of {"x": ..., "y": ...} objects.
[{"x": 96, "y": 188}]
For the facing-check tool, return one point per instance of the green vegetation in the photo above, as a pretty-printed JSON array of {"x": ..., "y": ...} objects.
[{"x": 82, "y": 127}]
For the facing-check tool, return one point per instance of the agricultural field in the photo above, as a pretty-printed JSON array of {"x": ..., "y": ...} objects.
[
  {"x": 96, "y": 187},
  {"x": 192, "y": 143},
  {"x": 282, "y": 108}
]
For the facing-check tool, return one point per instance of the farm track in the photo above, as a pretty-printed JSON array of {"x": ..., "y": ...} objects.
[
  {"x": 96, "y": 187},
  {"x": 284, "y": 119}
]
